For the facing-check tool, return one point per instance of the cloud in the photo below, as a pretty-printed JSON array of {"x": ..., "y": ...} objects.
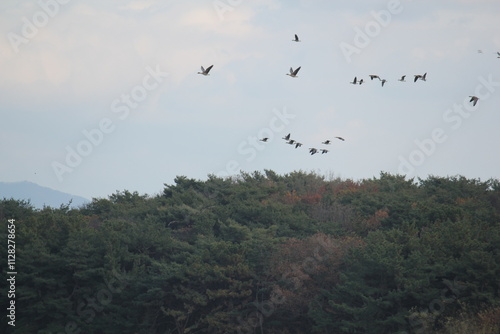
[
  {"x": 139, "y": 5},
  {"x": 92, "y": 51}
]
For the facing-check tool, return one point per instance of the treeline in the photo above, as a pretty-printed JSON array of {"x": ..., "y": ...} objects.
[{"x": 263, "y": 253}]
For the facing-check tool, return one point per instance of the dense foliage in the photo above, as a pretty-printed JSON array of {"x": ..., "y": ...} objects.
[{"x": 263, "y": 253}]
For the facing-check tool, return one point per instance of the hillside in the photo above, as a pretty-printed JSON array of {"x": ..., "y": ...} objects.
[
  {"x": 39, "y": 196},
  {"x": 264, "y": 253}
]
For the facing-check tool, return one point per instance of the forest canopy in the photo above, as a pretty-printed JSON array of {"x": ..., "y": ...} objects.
[{"x": 263, "y": 253}]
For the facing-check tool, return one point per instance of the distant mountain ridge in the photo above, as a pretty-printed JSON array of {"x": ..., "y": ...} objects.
[{"x": 39, "y": 196}]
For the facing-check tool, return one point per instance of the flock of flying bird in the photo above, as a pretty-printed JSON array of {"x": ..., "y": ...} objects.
[
  {"x": 383, "y": 81},
  {"x": 422, "y": 77},
  {"x": 312, "y": 150},
  {"x": 293, "y": 73}
]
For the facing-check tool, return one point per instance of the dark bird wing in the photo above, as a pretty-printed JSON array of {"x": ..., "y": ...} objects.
[
  {"x": 208, "y": 68},
  {"x": 296, "y": 70}
]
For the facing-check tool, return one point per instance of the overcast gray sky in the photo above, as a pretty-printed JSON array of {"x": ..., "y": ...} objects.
[{"x": 99, "y": 96}]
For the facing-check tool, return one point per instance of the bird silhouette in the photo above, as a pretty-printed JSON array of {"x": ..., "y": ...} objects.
[
  {"x": 264, "y": 139},
  {"x": 372, "y": 76},
  {"x": 313, "y": 150},
  {"x": 323, "y": 151},
  {"x": 420, "y": 77},
  {"x": 355, "y": 81},
  {"x": 474, "y": 100},
  {"x": 296, "y": 38},
  {"x": 383, "y": 82},
  {"x": 326, "y": 142},
  {"x": 205, "y": 71},
  {"x": 287, "y": 137},
  {"x": 340, "y": 138},
  {"x": 297, "y": 144},
  {"x": 293, "y": 73},
  {"x": 402, "y": 78}
]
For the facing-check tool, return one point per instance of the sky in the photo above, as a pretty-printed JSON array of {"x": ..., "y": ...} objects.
[{"x": 100, "y": 96}]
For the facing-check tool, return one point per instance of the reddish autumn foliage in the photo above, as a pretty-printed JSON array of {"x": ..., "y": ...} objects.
[{"x": 302, "y": 268}]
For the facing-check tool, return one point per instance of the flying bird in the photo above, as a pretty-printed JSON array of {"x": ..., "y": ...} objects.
[
  {"x": 421, "y": 77},
  {"x": 361, "y": 81},
  {"x": 402, "y": 78},
  {"x": 383, "y": 82},
  {"x": 297, "y": 144},
  {"x": 372, "y": 76},
  {"x": 355, "y": 81},
  {"x": 287, "y": 137},
  {"x": 291, "y": 142},
  {"x": 293, "y": 73},
  {"x": 323, "y": 151},
  {"x": 340, "y": 138},
  {"x": 327, "y": 142},
  {"x": 205, "y": 71},
  {"x": 296, "y": 38},
  {"x": 474, "y": 100},
  {"x": 264, "y": 139},
  {"x": 313, "y": 150}
]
